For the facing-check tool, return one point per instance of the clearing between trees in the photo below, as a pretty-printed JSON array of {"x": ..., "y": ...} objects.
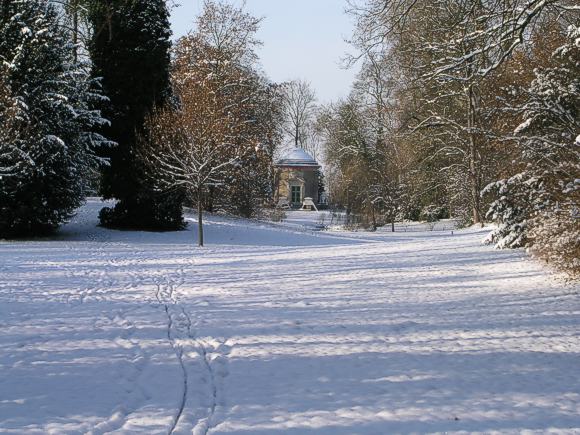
[{"x": 281, "y": 330}]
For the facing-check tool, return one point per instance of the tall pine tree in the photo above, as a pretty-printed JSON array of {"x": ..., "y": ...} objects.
[
  {"x": 47, "y": 139},
  {"x": 130, "y": 52}
]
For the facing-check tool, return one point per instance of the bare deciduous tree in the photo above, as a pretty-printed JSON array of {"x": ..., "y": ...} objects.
[
  {"x": 299, "y": 102},
  {"x": 195, "y": 144},
  {"x": 230, "y": 30},
  {"x": 500, "y": 27}
]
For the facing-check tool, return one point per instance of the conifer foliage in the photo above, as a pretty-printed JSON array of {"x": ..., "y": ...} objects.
[
  {"x": 130, "y": 52},
  {"x": 539, "y": 206},
  {"x": 47, "y": 139}
]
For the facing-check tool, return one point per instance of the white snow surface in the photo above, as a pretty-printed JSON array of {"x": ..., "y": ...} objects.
[{"x": 280, "y": 330}]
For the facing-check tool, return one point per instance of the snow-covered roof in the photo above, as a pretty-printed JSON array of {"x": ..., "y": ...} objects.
[{"x": 298, "y": 158}]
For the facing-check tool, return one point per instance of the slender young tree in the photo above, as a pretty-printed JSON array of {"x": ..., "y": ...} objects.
[{"x": 215, "y": 139}]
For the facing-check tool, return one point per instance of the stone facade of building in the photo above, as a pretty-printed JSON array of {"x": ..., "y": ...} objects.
[{"x": 298, "y": 178}]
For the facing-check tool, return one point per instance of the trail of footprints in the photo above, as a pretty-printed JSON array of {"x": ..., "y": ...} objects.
[{"x": 202, "y": 361}]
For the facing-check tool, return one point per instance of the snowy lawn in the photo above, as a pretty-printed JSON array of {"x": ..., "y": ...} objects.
[{"x": 273, "y": 330}]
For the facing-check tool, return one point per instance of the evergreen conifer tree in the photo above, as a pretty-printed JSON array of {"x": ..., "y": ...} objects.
[
  {"x": 47, "y": 138},
  {"x": 130, "y": 53},
  {"x": 538, "y": 207}
]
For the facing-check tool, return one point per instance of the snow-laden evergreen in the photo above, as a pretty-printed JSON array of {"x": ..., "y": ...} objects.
[
  {"x": 539, "y": 206},
  {"x": 47, "y": 139},
  {"x": 510, "y": 211}
]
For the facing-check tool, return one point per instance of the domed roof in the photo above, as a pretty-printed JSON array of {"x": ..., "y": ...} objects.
[{"x": 298, "y": 158}]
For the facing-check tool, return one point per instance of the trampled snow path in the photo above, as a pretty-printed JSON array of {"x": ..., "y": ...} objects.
[{"x": 276, "y": 330}]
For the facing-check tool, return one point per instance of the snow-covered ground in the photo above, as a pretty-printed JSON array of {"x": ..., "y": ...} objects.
[
  {"x": 282, "y": 330},
  {"x": 315, "y": 221}
]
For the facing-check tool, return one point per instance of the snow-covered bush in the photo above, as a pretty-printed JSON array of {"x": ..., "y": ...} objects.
[
  {"x": 510, "y": 210},
  {"x": 47, "y": 150},
  {"x": 273, "y": 214},
  {"x": 556, "y": 240},
  {"x": 432, "y": 213}
]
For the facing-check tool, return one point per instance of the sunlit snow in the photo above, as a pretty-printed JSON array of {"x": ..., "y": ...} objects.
[{"x": 279, "y": 329}]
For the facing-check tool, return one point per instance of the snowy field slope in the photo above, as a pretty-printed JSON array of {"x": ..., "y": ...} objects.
[{"x": 280, "y": 331}]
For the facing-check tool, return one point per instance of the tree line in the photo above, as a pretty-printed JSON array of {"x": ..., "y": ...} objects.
[
  {"x": 461, "y": 108},
  {"x": 95, "y": 98},
  {"x": 467, "y": 109}
]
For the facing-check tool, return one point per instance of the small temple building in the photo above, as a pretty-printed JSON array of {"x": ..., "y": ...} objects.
[{"x": 298, "y": 174}]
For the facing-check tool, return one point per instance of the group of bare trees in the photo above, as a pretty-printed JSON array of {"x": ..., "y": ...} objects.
[
  {"x": 299, "y": 104},
  {"x": 431, "y": 125},
  {"x": 362, "y": 161},
  {"x": 216, "y": 141}
]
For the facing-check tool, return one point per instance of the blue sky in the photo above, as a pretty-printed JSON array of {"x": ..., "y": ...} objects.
[{"x": 302, "y": 39}]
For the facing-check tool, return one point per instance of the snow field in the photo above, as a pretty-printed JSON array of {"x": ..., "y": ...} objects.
[{"x": 276, "y": 330}]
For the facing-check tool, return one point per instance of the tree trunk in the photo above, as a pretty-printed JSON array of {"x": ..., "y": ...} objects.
[
  {"x": 297, "y": 136},
  {"x": 347, "y": 208},
  {"x": 200, "y": 217},
  {"x": 209, "y": 201},
  {"x": 474, "y": 168},
  {"x": 473, "y": 164}
]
